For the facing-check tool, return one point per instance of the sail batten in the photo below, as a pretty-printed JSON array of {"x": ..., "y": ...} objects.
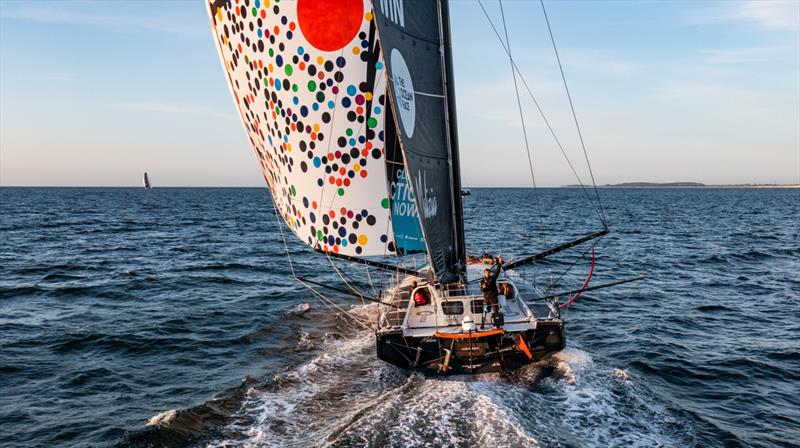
[{"x": 412, "y": 35}]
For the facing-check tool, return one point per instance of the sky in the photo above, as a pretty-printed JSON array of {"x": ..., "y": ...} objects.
[{"x": 95, "y": 93}]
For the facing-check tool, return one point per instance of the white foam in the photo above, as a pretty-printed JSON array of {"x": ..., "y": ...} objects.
[
  {"x": 621, "y": 375},
  {"x": 345, "y": 396},
  {"x": 162, "y": 418},
  {"x": 299, "y": 309},
  {"x": 305, "y": 341}
]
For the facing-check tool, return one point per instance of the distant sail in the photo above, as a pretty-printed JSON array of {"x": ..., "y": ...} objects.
[
  {"x": 309, "y": 83},
  {"x": 413, "y": 36},
  {"x": 146, "y": 181}
]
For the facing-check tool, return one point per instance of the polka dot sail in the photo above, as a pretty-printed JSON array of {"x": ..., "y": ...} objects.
[{"x": 308, "y": 80}]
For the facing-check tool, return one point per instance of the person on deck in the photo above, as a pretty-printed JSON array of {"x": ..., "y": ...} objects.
[
  {"x": 420, "y": 295},
  {"x": 489, "y": 284}
]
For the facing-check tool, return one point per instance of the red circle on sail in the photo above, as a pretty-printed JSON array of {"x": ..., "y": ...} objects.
[{"x": 329, "y": 25}]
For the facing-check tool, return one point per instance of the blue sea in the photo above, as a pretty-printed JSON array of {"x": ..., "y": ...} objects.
[{"x": 170, "y": 317}]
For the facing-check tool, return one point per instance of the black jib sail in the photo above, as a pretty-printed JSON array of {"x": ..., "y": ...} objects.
[
  {"x": 415, "y": 43},
  {"x": 408, "y": 238}
]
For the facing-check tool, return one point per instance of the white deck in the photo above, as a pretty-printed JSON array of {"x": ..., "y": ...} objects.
[{"x": 447, "y": 309}]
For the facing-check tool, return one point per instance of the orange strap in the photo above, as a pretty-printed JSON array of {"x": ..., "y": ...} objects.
[
  {"x": 480, "y": 334},
  {"x": 524, "y": 347}
]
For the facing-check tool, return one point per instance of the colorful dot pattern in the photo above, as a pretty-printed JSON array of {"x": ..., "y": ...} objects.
[{"x": 314, "y": 119}]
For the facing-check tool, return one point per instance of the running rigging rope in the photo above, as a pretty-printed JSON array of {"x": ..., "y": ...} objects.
[
  {"x": 326, "y": 301},
  {"x": 566, "y": 304}
]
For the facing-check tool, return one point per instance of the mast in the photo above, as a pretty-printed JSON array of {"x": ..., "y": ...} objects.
[{"x": 455, "y": 166}]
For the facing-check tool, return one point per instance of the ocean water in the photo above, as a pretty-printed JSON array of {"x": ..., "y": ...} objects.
[{"x": 170, "y": 318}]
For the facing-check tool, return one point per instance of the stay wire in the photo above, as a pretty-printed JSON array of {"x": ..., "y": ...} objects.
[
  {"x": 536, "y": 199},
  {"x": 541, "y": 113},
  {"x": 574, "y": 115}
]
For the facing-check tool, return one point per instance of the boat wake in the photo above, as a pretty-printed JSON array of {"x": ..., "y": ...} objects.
[{"x": 343, "y": 396}]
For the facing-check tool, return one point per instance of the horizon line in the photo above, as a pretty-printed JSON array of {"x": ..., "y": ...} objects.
[{"x": 568, "y": 186}]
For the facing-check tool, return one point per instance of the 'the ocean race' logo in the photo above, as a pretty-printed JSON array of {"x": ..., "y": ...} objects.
[{"x": 403, "y": 92}]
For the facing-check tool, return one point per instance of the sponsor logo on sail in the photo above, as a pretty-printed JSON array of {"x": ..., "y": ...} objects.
[
  {"x": 393, "y": 10},
  {"x": 402, "y": 197},
  {"x": 403, "y": 92},
  {"x": 428, "y": 201}
]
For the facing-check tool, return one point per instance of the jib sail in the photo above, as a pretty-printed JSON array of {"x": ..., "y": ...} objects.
[{"x": 415, "y": 39}]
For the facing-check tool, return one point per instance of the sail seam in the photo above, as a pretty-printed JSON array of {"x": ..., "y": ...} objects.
[{"x": 435, "y": 95}]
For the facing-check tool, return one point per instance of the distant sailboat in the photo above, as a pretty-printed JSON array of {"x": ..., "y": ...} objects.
[{"x": 146, "y": 182}]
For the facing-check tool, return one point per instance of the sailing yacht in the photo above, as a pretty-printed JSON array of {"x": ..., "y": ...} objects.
[
  {"x": 349, "y": 107},
  {"x": 146, "y": 181}
]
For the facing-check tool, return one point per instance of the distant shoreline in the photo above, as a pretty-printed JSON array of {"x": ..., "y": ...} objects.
[{"x": 684, "y": 185}]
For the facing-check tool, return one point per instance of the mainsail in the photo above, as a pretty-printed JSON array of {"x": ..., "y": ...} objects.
[
  {"x": 146, "y": 181},
  {"x": 415, "y": 39},
  {"x": 309, "y": 82}
]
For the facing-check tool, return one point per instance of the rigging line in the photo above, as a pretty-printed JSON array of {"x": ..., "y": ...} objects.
[
  {"x": 569, "y": 268},
  {"x": 294, "y": 275},
  {"x": 341, "y": 276},
  {"x": 541, "y": 112},
  {"x": 346, "y": 292},
  {"x": 283, "y": 237},
  {"x": 537, "y": 200},
  {"x": 389, "y": 224},
  {"x": 574, "y": 115},
  {"x": 321, "y": 296},
  {"x": 369, "y": 278}
]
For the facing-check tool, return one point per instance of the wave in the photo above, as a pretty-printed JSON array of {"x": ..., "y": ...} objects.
[
  {"x": 353, "y": 399},
  {"x": 223, "y": 267},
  {"x": 20, "y": 291},
  {"x": 714, "y": 308}
]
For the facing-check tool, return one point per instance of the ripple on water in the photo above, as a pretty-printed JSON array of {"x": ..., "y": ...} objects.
[{"x": 170, "y": 318}]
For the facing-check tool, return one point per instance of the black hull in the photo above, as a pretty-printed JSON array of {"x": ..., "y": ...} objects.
[{"x": 491, "y": 354}]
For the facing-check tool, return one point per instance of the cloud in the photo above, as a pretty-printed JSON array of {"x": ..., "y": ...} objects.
[
  {"x": 771, "y": 14},
  {"x": 744, "y": 55},
  {"x": 75, "y": 14},
  {"x": 708, "y": 94}
]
